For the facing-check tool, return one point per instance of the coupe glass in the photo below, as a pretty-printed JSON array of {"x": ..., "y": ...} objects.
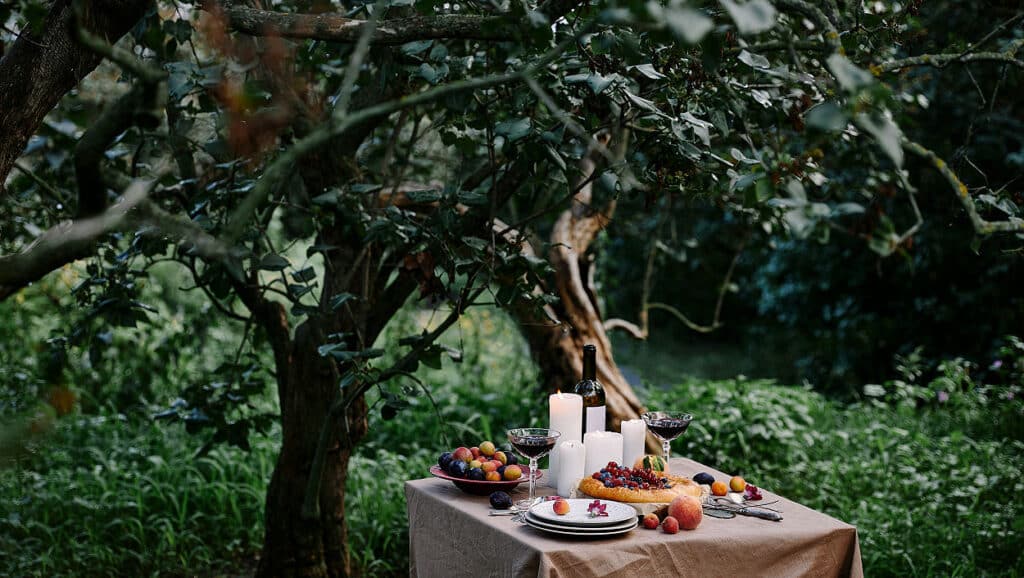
[
  {"x": 667, "y": 426},
  {"x": 532, "y": 443}
]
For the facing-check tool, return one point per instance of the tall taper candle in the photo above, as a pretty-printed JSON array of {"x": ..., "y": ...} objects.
[
  {"x": 602, "y": 447},
  {"x": 633, "y": 433},
  {"x": 571, "y": 462},
  {"x": 565, "y": 415}
]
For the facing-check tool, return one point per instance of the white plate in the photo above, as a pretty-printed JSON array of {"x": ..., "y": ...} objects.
[
  {"x": 581, "y": 529},
  {"x": 577, "y": 516},
  {"x": 587, "y": 533}
]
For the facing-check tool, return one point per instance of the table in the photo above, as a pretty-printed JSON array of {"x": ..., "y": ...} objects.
[{"x": 451, "y": 534}]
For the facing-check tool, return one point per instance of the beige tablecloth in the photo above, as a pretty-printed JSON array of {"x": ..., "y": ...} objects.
[{"x": 451, "y": 534}]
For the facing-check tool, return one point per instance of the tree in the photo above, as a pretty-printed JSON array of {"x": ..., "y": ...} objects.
[{"x": 313, "y": 170}]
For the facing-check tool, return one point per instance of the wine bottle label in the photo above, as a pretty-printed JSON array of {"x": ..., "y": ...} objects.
[{"x": 595, "y": 419}]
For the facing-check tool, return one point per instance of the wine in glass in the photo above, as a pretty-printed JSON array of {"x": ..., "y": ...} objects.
[
  {"x": 532, "y": 443},
  {"x": 667, "y": 426}
]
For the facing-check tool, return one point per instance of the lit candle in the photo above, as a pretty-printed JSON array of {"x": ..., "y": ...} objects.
[
  {"x": 571, "y": 462},
  {"x": 634, "y": 432},
  {"x": 565, "y": 415},
  {"x": 602, "y": 447}
]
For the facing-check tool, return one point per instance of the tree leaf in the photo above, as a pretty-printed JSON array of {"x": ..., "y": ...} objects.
[
  {"x": 687, "y": 24},
  {"x": 886, "y": 133},
  {"x": 307, "y": 274},
  {"x": 753, "y": 60},
  {"x": 340, "y": 299},
  {"x": 513, "y": 130},
  {"x": 848, "y": 75},
  {"x": 827, "y": 116},
  {"x": 273, "y": 262},
  {"x": 751, "y": 17},
  {"x": 648, "y": 71}
]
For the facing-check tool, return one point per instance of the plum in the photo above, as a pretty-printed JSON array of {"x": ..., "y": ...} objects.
[
  {"x": 458, "y": 468},
  {"x": 444, "y": 460},
  {"x": 704, "y": 478},
  {"x": 501, "y": 501},
  {"x": 475, "y": 474}
]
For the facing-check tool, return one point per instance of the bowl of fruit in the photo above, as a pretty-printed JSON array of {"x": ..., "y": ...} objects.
[{"x": 481, "y": 469}]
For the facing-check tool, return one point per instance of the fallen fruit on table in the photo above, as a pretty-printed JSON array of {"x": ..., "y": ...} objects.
[
  {"x": 560, "y": 507},
  {"x": 687, "y": 510},
  {"x": 462, "y": 454},
  {"x": 737, "y": 484},
  {"x": 704, "y": 478},
  {"x": 501, "y": 501},
  {"x": 512, "y": 473},
  {"x": 487, "y": 448},
  {"x": 651, "y": 521},
  {"x": 752, "y": 493},
  {"x": 719, "y": 489},
  {"x": 670, "y": 525}
]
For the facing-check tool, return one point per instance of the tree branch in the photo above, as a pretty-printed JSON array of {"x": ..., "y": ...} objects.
[
  {"x": 337, "y": 27},
  {"x": 981, "y": 226},
  {"x": 1008, "y": 56}
]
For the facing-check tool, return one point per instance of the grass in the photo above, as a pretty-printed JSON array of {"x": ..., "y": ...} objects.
[{"x": 930, "y": 484}]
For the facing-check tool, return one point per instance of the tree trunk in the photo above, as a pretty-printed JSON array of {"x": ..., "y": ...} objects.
[
  {"x": 557, "y": 346},
  {"x": 39, "y": 69}
]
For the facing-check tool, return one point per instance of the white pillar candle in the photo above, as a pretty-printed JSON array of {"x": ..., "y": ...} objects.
[
  {"x": 634, "y": 432},
  {"x": 602, "y": 447},
  {"x": 565, "y": 415},
  {"x": 571, "y": 463}
]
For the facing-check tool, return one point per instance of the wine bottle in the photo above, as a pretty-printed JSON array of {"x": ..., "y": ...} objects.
[{"x": 592, "y": 392}]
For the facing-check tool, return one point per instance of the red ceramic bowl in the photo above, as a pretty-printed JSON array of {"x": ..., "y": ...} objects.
[{"x": 484, "y": 488}]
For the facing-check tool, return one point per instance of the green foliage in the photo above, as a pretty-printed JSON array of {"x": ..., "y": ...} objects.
[{"x": 109, "y": 495}]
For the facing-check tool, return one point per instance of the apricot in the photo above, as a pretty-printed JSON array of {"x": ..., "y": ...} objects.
[
  {"x": 687, "y": 510},
  {"x": 719, "y": 488},
  {"x": 475, "y": 463},
  {"x": 513, "y": 473},
  {"x": 561, "y": 507},
  {"x": 487, "y": 449},
  {"x": 489, "y": 467},
  {"x": 670, "y": 525},
  {"x": 492, "y": 476},
  {"x": 651, "y": 521},
  {"x": 475, "y": 451},
  {"x": 501, "y": 457},
  {"x": 737, "y": 484}
]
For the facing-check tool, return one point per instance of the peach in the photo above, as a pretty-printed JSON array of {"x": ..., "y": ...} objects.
[
  {"x": 651, "y": 521},
  {"x": 462, "y": 453},
  {"x": 719, "y": 488},
  {"x": 513, "y": 473},
  {"x": 492, "y": 476},
  {"x": 488, "y": 467},
  {"x": 487, "y": 449},
  {"x": 670, "y": 525},
  {"x": 475, "y": 451},
  {"x": 687, "y": 511},
  {"x": 561, "y": 507},
  {"x": 501, "y": 457},
  {"x": 737, "y": 484}
]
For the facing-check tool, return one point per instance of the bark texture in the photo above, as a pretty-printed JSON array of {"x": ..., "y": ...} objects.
[{"x": 39, "y": 69}]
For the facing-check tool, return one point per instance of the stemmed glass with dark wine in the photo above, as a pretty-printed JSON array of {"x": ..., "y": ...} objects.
[
  {"x": 532, "y": 443},
  {"x": 667, "y": 426}
]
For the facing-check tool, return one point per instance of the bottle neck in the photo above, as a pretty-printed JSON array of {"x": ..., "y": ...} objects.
[{"x": 589, "y": 363}]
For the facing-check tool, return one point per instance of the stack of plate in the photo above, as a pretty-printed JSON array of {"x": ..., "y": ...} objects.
[{"x": 621, "y": 519}]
